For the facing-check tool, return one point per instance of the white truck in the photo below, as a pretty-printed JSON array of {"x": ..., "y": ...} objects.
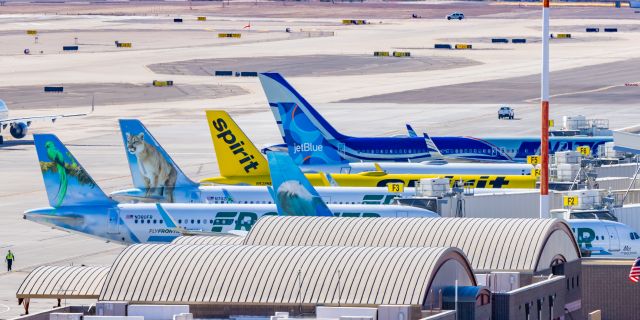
[{"x": 506, "y": 113}]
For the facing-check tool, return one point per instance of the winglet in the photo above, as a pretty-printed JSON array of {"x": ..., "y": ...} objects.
[
  {"x": 169, "y": 221},
  {"x": 332, "y": 182},
  {"x": 433, "y": 149},
  {"x": 293, "y": 193},
  {"x": 412, "y": 133},
  {"x": 66, "y": 181},
  {"x": 171, "y": 224}
]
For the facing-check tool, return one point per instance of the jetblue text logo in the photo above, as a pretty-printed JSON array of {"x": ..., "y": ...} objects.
[
  {"x": 307, "y": 147},
  {"x": 235, "y": 146}
]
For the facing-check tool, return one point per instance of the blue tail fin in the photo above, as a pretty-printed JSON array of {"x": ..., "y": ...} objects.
[
  {"x": 306, "y": 145},
  {"x": 278, "y": 90},
  {"x": 152, "y": 170},
  {"x": 412, "y": 133},
  {"x": 292, "y": 191},
  {"x": 66, "y": 181}
]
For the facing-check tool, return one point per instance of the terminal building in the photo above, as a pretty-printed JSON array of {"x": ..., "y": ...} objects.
[{"x": 492, "y": 268}]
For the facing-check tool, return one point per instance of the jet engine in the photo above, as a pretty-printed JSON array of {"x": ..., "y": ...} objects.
[{"x": 19, "y": 130}]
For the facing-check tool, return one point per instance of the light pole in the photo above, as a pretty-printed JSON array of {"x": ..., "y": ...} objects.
[{"x": 544, "y": 110}]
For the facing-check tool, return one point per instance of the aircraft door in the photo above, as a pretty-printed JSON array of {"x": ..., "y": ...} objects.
[
  {"x": 113, "y": 224},
  {"x": 614, "y": 240}
]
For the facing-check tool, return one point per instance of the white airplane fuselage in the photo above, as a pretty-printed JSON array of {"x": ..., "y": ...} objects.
[
  {"x": 144, "y": 223},
  {"x": 606, "y": 239}
]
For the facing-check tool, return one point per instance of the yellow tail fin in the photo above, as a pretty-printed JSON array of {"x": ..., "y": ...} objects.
[{"x": 236, "y": 154}]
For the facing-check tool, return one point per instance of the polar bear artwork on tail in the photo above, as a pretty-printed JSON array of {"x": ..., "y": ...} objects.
[{"x": 158, "y": 174}]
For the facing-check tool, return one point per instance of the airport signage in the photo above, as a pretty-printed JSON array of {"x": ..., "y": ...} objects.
[
  {"x": 536, "y": 172},
  {"x": 570, "y": 201},
  {"x": 533, "y": 160},
  {"x": 584, "y": 150},
  {"x": 395, "y": 187}
]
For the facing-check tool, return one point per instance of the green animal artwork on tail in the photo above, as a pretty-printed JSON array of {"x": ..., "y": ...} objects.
[
  {"x": 64, "y": 171},
  {"x": 58, "y": 159}
]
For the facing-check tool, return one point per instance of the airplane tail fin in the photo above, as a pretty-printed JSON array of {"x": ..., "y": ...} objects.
[
  {"x": 67, "y": 183},
  {"x": 278, "y": 90},
  {"x": 293, "y": 193},
  {"x": 148, "y": 159},
  {"x": 305, "y": 142},
  {"x": 236, "y": 154}
]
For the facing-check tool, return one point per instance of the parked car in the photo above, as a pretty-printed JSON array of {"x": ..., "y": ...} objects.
[{"x": 506, "y": 113}]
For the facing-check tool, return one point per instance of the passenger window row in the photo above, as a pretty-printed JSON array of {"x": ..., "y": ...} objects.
[{"x": 270, "y": 202}]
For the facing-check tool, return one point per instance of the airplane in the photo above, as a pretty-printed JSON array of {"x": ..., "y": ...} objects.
[
  {"x": 77, "y": 204},
  {"x": 314, "y": 141},
  {"x": 148, "y": 160},
  {"x": 606, "y": 239},
  {"x": 241, "y": 163},
  {"x": 19, "y": 127}
]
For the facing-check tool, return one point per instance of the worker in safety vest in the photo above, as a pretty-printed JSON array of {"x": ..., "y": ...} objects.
[{"x": 10, "y": 257}]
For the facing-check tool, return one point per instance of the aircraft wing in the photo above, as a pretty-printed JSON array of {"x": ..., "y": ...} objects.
[
  {"x": 51, "y": 118},
  {"x": 41, "y": 118}
]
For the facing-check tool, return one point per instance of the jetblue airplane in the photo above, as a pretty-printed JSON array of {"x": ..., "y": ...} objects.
[
  {"x": 19, "y": 127},
  {"x": 312, "y": 140},
  {"x": 606, "y": 239},
  {"x": 157, "y": 178},
  {"x": 78, "y": 205}
]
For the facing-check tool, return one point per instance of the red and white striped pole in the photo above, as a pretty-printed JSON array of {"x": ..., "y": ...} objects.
[{"x": 544, "y": 134}]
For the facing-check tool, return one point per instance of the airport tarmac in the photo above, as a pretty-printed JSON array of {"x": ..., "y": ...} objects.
[
  {"x": 449, "y": 101},
  {"x": 596, "y": 84},
  {"x": 314, "y": 65},
  {"x": 78, "y": 95}
]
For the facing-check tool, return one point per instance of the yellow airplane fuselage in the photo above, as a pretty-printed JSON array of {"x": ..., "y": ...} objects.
[{"x": 381, "y": 179}]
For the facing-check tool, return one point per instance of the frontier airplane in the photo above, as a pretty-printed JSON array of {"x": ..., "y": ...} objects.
[{"x": 78, "y": 205}]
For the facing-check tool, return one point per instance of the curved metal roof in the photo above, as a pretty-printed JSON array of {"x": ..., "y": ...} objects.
[
  {"x": 211, "y": 240},
  {"x": 154, "y": 273},
  {"x": 63, "y": 282},
  {"x": 490, "y": 244}
]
